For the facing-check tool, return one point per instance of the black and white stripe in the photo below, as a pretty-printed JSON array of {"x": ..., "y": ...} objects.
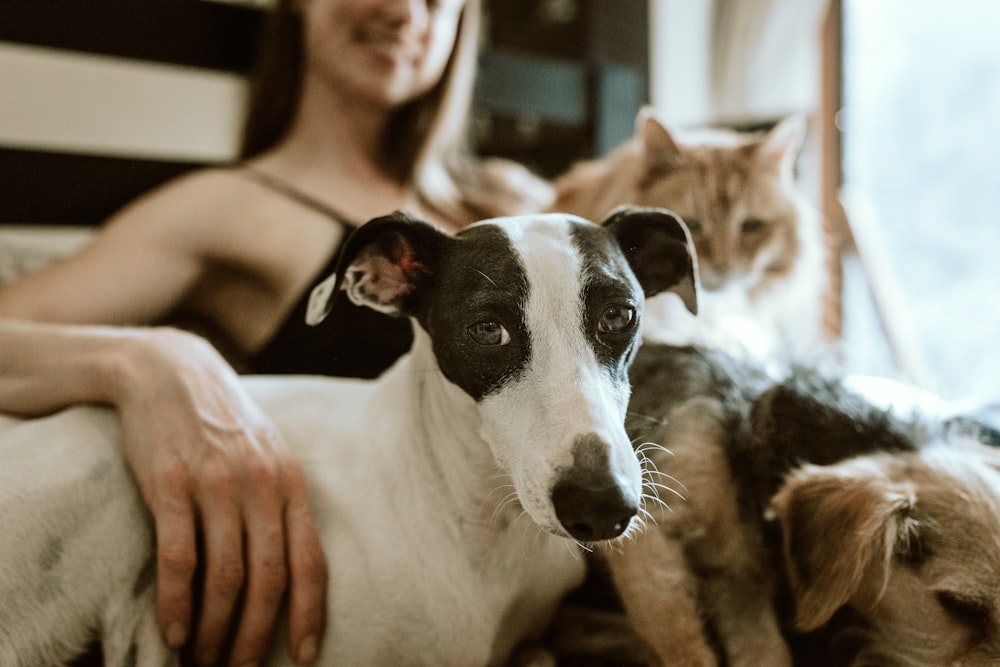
[{"x": 104, "y": 99}]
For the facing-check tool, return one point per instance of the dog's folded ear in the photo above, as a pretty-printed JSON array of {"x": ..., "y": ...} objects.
[
  {"x": 658, "y": 247},
  {"x": 382, "y": 266},
  {"x": 841, "y": 528}
]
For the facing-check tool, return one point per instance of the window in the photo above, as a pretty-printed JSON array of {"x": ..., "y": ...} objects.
[{"x": 921, "y": 145}]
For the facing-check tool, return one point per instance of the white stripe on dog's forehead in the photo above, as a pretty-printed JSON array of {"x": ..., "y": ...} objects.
[
  {"x": 551, "y": 259},
  {"x": 535, "y": 232},
  {"x": 542, "y": 234}
]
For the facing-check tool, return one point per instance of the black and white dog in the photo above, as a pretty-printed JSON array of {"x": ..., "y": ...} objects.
[{"x": 450, "y": 493}]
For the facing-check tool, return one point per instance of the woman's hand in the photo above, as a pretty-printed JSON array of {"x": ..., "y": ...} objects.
[{"x": 207, "y": 459}]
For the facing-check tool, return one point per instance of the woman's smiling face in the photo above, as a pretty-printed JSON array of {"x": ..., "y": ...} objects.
[{"x": 386, "y": 52}]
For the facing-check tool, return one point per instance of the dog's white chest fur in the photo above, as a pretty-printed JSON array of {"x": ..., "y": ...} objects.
[{"x": 427, "y": 551}]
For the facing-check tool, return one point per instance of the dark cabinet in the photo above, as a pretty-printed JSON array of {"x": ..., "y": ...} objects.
[{"x": 560, "y": 80}]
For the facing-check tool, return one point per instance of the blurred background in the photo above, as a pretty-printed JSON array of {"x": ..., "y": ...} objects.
[
  {"x": 921, "y": 96},
  {"x": 100, "y": 101}
]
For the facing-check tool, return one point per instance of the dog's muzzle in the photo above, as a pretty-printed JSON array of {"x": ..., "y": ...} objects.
[{"x": 590, "y": 501}]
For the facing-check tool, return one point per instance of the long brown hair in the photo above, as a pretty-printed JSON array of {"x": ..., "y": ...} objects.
[{"x": 426, "y": 143}]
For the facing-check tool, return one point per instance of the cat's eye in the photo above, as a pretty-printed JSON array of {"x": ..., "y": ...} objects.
[
  {"x": 694, "y": 226},
  {"x": 965, "y": 610},
  {"x": 616, "y": 318},
  {"x": 752, "y": 226},
  {"x": 489, "y": 333}
]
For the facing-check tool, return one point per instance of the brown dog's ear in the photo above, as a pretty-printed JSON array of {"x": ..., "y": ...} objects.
[
  {"x": 658, "y": 247},
  {"x": 840, "y": 530},
  {"x": 382, "y": 266}
]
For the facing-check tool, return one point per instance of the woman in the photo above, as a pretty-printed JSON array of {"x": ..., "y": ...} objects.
[{"x": 371, "y": 119}]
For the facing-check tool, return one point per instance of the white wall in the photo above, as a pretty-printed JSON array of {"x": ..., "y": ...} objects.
[
  {"x": 680, "y": 60},
  {"x": 734, "y": 60}
]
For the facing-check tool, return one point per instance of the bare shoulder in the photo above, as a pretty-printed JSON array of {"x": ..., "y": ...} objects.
[
  {"x": 199, "y": 199},
  {"x": 216, "y": 213},
  {"x": 226, "y": 219}
]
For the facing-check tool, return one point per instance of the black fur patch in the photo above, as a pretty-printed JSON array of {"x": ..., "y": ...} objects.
[
  {"x": 479, "y": 279},
  {"x": 805, "y": 417},
  {"x": 809, "y": 418},
  {"x": 608, "y": 282}
]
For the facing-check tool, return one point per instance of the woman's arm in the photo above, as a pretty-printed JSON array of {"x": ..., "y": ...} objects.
[
  {"x": 205, "y": 457},
  {"x": 136, "y": 270}
]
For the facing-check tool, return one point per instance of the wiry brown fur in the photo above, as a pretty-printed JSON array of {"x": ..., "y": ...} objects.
[
  {"x": 702, "y": 561},
  {"x": 697, "y": 583},
  {"x": 806, "y": 508},
  {"x": 758, "y": 242},
  {"x": 910, "y": 543}
]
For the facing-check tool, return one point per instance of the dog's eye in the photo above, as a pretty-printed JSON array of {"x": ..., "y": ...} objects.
[
  {"x": 489, "y": 332},
  {"x": 616, "y": 318}
]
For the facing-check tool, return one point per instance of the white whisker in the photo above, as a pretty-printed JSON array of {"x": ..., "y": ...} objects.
[
  {"x": 485, "y": 276},
  {"x": 652, "y": 446},
  {"x": 657, "y": 486},
  {"x": 659, "y": 501},
  {"x": 671, "y": 478}
]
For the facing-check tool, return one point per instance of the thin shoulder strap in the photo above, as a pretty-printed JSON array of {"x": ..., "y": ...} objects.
[{"x": 288, "y": 190}]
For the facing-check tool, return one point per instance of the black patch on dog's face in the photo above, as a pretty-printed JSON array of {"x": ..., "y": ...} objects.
[
  {"x": 612, "y": 300},
  {"x": 480, "y": 284}
]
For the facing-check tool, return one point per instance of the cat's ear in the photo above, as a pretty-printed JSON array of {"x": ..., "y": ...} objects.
[
  {"x": 659, "y": 149},
  {"x": 781, "y": 145}
]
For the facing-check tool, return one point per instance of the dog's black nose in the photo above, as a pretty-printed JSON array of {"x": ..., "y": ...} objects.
[{"x": 591, "y": 512}]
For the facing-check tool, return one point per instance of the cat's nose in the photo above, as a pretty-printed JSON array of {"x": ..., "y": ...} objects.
[{"x": 711, "y": 278}]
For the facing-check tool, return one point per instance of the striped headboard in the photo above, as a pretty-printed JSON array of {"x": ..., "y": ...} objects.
[{"x": 101, "y": 100}]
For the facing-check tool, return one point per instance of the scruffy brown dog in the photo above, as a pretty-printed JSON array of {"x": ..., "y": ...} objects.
[
  {"x": 910, "y": 543},
  {"x": 808, "y": 515}
]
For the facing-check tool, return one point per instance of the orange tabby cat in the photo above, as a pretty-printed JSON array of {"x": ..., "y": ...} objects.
[{"x": 760, "y": 253}]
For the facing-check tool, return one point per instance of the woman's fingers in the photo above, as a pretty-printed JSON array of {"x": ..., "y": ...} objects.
[
  {"x": 308, "y": 573},
  {"x": 212, "y": 463},
  {"x": 222, "y": 528},
  {"x": 176, "y": 560},
  {"x": 283, "y": 552},
  {"x": 267, "y": 574},
  {"x": 259, "y": 540}
]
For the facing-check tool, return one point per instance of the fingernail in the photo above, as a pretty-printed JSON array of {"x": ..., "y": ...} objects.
[
  {"x": 307, "y": 650},
  {"x": 176, "y": 635}
]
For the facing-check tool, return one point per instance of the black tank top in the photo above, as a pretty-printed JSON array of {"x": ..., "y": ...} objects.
[{"x": 353, "y": 341}]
